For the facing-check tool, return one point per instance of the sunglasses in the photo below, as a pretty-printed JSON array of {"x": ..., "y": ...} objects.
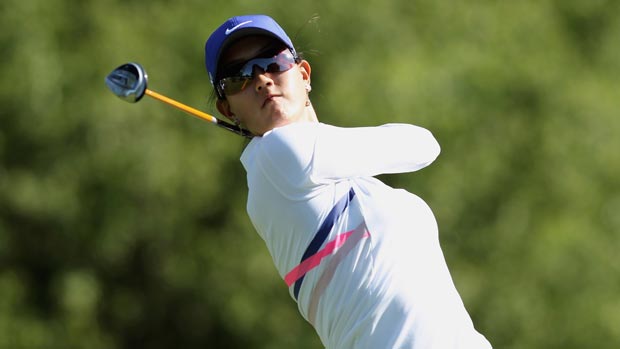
[{"x": 238, "y": 79}]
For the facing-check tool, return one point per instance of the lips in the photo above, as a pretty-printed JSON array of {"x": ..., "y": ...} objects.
[{"x": 269, "y": 98}]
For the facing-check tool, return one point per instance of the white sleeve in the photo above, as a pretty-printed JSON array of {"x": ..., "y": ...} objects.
[
  {"x": 370, "y": 151},
  {"x": 308, "y": 154},
  {"x": 284, "y": 156}
]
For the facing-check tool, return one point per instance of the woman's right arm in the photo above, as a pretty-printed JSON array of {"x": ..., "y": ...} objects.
[
  {"x": 309, "y": 154},
  {"x": 370, "y": 151}
]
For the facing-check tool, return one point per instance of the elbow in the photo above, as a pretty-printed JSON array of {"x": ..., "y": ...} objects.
[
  {"x": 436, "y": 148},
  {"x": 432, "y": 146},
  {"x": 427, "y": 148}
]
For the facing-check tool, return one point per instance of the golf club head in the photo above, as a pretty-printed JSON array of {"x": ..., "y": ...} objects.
[{"x": 128, "y": 82}]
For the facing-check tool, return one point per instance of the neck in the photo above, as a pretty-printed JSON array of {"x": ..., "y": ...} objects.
[{"x": 310, "y": 114}]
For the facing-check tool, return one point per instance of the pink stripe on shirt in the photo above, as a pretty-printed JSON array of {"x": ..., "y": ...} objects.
[{"x": 314, "y": 260}]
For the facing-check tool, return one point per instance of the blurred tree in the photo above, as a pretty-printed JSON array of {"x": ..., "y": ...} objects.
[{"x": 123, "y": 226}]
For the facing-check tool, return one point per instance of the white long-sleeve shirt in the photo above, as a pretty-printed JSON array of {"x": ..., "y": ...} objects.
[{"x": 379, "y": 278}]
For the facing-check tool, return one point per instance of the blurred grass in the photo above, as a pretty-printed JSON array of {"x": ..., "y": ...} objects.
[{"x": 123, "y": 225}]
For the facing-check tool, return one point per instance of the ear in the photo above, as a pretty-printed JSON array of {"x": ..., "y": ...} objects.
[
  {"x": 224, "y": 108},
  {"x": 305, "y": 69}
]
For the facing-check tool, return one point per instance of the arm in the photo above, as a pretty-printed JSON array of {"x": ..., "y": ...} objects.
[
  {"x": 307, "y": 154},
  {"x": 370, "y": 151}
]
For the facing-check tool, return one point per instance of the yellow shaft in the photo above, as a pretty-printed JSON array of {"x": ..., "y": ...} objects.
[{"x": 185, "y": 108}]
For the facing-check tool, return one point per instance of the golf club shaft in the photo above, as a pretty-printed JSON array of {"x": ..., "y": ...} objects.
[{"x": 197, "y": 113}]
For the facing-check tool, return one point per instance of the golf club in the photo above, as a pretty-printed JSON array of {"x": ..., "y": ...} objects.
[{"x": 129, "y": 81}]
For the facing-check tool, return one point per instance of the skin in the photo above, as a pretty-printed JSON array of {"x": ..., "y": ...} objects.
[{"x": 271, "y": 99}]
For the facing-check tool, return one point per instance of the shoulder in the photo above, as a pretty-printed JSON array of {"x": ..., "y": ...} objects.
[
  {"x": 297, "y": 137},
  {"x": 291, "y": 132},
  {"x": 287, "y": 147}
]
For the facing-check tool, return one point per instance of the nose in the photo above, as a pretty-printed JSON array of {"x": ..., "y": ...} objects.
[{"x": 262, "y": 79}]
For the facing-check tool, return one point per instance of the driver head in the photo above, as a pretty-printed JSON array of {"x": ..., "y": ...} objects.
[{"x": 128, "y": 82}]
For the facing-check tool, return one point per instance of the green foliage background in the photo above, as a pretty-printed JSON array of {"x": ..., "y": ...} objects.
[{"x": 123, "y": 226}]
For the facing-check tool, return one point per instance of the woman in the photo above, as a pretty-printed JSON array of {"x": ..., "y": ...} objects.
[{"x": 361, "y": 259}]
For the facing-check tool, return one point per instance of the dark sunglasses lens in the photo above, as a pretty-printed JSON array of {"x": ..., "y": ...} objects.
[
  {"x": 280, "y": 63},
  {"x": 234, "y": 84}
]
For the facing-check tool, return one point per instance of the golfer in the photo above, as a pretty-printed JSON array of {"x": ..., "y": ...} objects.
[{"x": 361, "y": 259}]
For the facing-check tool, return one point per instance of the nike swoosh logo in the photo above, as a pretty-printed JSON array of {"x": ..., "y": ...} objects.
[{"x": 230, "y": 30}]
